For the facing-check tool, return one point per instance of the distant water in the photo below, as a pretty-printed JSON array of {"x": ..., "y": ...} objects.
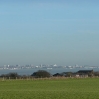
[{"x": 51, "y": 71}]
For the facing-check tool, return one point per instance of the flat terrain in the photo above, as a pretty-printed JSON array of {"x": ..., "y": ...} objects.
[{"x": 81, "y": 88}]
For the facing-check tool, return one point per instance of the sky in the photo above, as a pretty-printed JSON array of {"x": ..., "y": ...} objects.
[{"x": 62, "y": 32}]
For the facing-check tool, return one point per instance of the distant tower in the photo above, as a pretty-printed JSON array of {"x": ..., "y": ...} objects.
[
  {"x": 40, "y": 65},
  {"x": 54, "y": 65},
  {"x": 76, "y": 65}
]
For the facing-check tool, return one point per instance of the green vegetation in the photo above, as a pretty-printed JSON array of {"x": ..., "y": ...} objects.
[
  {"x": 41, "y": 74},
  {"x": 68, "y": 88}
]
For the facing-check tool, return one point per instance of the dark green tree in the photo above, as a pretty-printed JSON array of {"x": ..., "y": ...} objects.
[
  {"x": 12, "y": 75},
  {"x": 41, "y": 74}
]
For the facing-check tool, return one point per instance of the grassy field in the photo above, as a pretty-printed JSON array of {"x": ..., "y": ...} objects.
[{"x": 82, "y": 88}]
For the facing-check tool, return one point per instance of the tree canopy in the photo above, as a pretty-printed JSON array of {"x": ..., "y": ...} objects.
[{"x": 41, "y": 74}]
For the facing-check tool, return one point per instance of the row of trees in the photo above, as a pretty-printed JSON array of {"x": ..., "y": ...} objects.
[
  {"x": 10, "y": 75},
  {"x": 40, "y": 74}
]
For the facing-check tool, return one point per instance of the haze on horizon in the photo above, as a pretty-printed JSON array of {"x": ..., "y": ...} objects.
[{"x": 63, "y": 32}]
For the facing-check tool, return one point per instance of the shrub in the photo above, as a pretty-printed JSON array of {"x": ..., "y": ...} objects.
[
  {"x": 10, "y": 75},
  {"x": 41, "y": 74}
]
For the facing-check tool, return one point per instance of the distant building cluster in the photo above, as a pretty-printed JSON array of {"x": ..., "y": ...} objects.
[{"x": 44, "y": 66}]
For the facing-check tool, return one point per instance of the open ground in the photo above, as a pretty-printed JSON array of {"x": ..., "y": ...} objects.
[{"x": 69, "y": 88}]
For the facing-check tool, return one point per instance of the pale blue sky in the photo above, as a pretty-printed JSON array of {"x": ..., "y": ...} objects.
[{"x": 65, "y": 32}]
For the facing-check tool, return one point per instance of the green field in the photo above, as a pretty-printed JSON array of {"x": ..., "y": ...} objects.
[{"x": 81, "y": 88}]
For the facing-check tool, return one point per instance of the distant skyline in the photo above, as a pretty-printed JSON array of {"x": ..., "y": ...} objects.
[{"x": 63, "y": 32}]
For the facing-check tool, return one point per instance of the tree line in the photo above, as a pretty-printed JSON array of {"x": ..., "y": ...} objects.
[{"x": 42, "y": 74}]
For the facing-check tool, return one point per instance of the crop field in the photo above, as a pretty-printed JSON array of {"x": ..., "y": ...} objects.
[{"x": 71, "y": 88}]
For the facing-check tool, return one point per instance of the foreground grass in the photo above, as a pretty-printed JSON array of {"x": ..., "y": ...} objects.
[{"x": 85, "y": 88}]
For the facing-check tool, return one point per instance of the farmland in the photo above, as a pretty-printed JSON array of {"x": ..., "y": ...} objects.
[{"x": 68, "y": 88}]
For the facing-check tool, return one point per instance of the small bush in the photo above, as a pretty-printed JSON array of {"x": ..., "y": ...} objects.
[
  {"x": 41, "y": 74},
  {"x": 10, "y": 75}
]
